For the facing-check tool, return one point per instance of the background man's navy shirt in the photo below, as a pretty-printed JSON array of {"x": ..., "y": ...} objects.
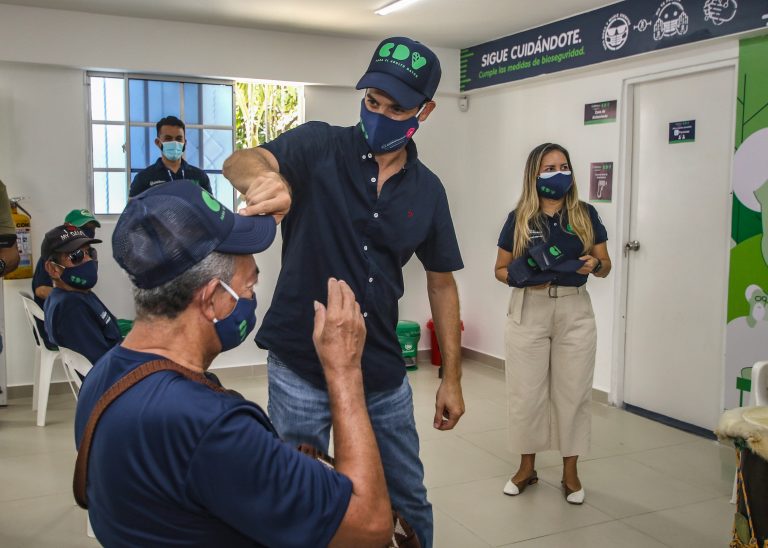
[
  {"x": 557, "y": 233},
  {"x": 338, "y": 227},
  {"x": 174, "y": 463},
  {"x": 158, "y": 174},
  {"x": 80, "y": 322},
  {"x": 41, "y": 278}
]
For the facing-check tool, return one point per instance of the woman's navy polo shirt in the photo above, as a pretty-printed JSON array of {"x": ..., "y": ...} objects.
[
  {"x": 558, "y": 233},
  {"x": 338, "y": 227}
]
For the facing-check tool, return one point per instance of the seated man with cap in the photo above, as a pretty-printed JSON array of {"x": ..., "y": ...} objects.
[
  {"x": 75, "y": 317},
  {"x": 177, "y": 459},
  {"x": 42, "y": 284}
]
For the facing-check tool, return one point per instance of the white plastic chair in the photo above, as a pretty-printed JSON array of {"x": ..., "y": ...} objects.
[
  {"x": 44, "y": 360},
  {"x": 74, "y": 363}
]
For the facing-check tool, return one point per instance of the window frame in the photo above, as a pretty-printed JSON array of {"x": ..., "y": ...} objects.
[{"x": 126, "y": 77}]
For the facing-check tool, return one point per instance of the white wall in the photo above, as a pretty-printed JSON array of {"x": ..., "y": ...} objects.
[
  {"x": 503, "y": 125},
  {"x": 479, "y": 155},
  {"x": 43, "y": 56}
]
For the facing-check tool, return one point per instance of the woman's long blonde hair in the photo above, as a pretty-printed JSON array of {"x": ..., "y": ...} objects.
[{"x": 528, "y": 214}]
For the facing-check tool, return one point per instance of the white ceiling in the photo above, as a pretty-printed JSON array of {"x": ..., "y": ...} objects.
[{"x": 439, "y": 23}]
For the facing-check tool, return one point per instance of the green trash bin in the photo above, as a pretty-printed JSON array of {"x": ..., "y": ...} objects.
[{"x": 409, "y": 333}]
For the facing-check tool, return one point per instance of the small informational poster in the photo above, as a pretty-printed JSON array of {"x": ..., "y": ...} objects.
[
  {"x": 600, "y": 181},
  {"x": 682, "y": 132},
  {"x": 600, "y": 113}
]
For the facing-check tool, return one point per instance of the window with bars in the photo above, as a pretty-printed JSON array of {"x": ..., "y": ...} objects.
[{"x": 123, "y": 112}]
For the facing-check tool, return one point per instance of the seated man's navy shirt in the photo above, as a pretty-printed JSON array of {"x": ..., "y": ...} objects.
[
  {"x": 41, "y": 278},
  {"x": 338, "y": 227},
  {"x": 157, "y": 174},
  {"x": 558, "y": 232},
  {"x": 174, "y": 463},
  {"x": 81, "y": 322}
]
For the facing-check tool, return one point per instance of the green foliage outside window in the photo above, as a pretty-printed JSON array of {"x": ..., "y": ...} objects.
[{"x": 264, "y": 111}]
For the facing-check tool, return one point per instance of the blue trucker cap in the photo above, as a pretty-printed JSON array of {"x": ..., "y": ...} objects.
[
  {"x": 168, "y": 229},
  {"x": 407, "y": 70}
]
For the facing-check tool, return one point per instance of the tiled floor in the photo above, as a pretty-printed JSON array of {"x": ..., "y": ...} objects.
[{"x": 647, "y": 484}]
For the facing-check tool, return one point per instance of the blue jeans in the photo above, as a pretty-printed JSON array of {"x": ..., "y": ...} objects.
[{"x": 301, "y": 414}]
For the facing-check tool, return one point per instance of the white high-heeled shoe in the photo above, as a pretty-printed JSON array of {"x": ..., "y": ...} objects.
[{"x": 513, "y": 489}]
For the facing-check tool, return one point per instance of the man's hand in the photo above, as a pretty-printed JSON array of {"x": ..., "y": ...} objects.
[
  {"x": 267, "y": 194},
  {"x": 449, "y": 405},
  {"x": 339, "y": 333}
]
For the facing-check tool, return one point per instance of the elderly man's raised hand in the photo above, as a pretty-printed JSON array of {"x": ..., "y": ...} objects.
[{"x": 339, "y": 333}]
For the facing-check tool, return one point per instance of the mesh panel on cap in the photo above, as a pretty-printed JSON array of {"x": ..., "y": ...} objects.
[{"x": 165, "y": 242}]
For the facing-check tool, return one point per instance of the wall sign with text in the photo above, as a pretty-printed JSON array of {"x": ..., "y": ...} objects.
[
  {"x": 600, "y": 113},
  {"x": 600, "y": 181},
  {"x": 682, "y": 132},
  {"x": 613, "y": 32}
]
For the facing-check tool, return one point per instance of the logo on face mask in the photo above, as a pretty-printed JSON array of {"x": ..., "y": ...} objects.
[{"x": 391, "y": 52}]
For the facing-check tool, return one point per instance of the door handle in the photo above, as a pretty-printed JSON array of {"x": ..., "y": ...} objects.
[{"x": 632, "y": 245}]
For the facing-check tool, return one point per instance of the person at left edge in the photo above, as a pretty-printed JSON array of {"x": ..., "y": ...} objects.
[
  {"x": 75, "y": 317},
  {"x": 170, "y": 166},
  {"x": 9, "y": 253},
  {"x": 42, "y": 284}
]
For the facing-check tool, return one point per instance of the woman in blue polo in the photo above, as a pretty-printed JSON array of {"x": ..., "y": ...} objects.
[{"x": 548, "y": 246}]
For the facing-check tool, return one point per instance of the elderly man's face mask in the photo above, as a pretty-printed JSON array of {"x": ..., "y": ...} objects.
[{"x": 233, "y": 329}]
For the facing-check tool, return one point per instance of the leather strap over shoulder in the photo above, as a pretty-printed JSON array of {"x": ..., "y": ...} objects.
[{"x": 114, "y": 391}]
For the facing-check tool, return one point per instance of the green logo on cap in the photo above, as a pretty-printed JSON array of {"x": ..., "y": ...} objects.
[
  {"x": 401, "y": 53},
  {"x": 213, "y": 204},
  {"x": 555, "y": 251}
]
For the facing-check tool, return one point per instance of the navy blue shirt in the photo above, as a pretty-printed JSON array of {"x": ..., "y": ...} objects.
[
  {"x": 157, "y": 174},
  {"x": 338, "y": 227},
  {"x": 41, "y": 278},
  {"x": 557, "y": 232},
  {"x": 81, "y": 322},
  {"x": 174, "y": 463}
]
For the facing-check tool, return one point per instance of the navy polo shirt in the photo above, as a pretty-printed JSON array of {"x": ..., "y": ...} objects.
[
  {"x": 557, "y": 232},
  {"x": 157, "y": 174},
  {"x": 41, "y": 278},
  {"x": 338, "y": 227},
  {"x": 81, "y": 322},
  {"x": 174, "y": 463}
]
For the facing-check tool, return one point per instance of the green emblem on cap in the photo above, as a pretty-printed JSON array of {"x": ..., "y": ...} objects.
[
  {"x": 401, "y": 53},
  {"x": 211, "y": 202},
  {"x": 531, "y": 263},
  {"x": 555, "y": 251}
]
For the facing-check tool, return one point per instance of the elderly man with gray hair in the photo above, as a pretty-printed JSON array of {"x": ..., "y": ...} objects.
[{"x": 177, "y": 459}]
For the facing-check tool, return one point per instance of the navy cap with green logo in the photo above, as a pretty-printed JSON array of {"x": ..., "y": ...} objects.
[
  {"x": 168, "y": 229},
  {"x": 405, "y": 69}
]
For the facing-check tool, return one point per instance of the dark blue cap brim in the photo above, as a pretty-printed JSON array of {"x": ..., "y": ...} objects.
[
  {"x": 249, "y": 235},
  {"x": 405, "y": 95},
  {"x": 570, "y": 265}
]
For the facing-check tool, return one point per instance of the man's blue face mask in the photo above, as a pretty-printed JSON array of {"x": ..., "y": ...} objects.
[
  {"x": 173, "y": 150},
  {"x": 384, "y": 134}
]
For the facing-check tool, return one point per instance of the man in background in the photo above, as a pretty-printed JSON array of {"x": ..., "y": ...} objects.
[
  {"x": 75, "y": 317},
  {"x": 42, "y": 284},
  {"x": 170, "y": 166},
  {"x": 9, "y": 253}
]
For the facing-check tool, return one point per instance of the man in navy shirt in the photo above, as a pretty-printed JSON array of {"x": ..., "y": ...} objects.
[
  {"x": 361, "y": 204},
  {"x": 42, "y": 284},
  {"x": 176, "y": 462},
  {"x": 170, "y": 166},
  {"x": 75, "y": 318}
]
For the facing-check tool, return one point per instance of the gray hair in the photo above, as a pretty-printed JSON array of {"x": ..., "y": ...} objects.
[{"x": 173, "y": 297}]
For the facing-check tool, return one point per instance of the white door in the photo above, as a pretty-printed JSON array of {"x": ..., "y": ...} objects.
[{"x": 677, "y": 280}]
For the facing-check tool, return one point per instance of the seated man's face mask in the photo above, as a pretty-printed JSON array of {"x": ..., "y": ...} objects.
[{"x": 233, "y": 329}]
